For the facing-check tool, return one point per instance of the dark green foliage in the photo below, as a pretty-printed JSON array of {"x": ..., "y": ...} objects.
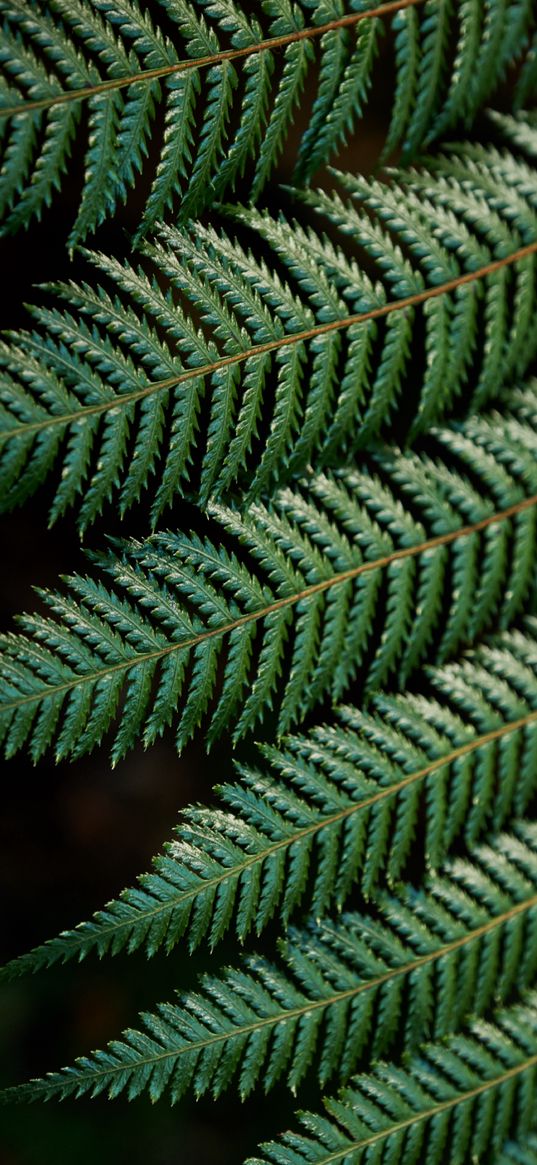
[
  {"x": 338, "y": 804},
  {"x": 346, "y": 390},
  {"x": 454, "y": 947},
  {"x": 372, "y": 569},
  {"x": 221, "y": 88},
  {"x": 449, "y": 1105},
  {"x": 123, "y": 389}
]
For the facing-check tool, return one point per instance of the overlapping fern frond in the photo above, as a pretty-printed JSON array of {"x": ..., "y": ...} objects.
[
  {"x": 363, "y": 572},
  {"x": 122, "y": 387},
  {"x": 218, "y": 90},
  {"x": 337, "y": 804},
  {"x": 450, "y": 949},
  {"x": 256, "y": 364},
  {"x": 450, "y": 1104}
]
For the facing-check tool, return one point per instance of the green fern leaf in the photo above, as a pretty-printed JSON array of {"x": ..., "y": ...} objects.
[
  {"x": 345, "y": 76},
  {"x": 527, "y": 82},
  {"x": 123, "y": 386},
  {"x": 457, "y": 101},
  {"x": 227, "y": 101},
  {"x": 513, "y": 1154},
  {"x": 518, "y": 129},
  {"x": 370, "y": 570},
  {"x": 335, "y": 805},
  {"x": 454, "y": 947},
  {"x": 290, "y": 377},
  {"x": 426, "y": 93},
  {"x": 407, "y": 53},
  {"x": 453, "y": 1103}
]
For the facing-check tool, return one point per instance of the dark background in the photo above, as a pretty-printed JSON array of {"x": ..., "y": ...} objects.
[{"x": 72, "y": 836}]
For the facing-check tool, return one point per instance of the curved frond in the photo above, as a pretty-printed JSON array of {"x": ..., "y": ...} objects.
[
  {"x": 335, "y": 806},
  {"x": 450, "y": 949},
  {"x": 123, "y": 386},
  {"x": 219, "y": 90},
  {"x": 360, "y": 573},
  {"x": 450, "y": 1104}
]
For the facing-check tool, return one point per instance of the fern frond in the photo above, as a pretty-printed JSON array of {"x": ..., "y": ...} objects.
[
  {"x": 450, "y": 949},
  {"x": 338, "y": 804},
  {"x": 123, "y": 386},
  {"x": 226, "y": 86},
  {"x": 450, "y": 1104},
  {"x": 360, "y": 572}
]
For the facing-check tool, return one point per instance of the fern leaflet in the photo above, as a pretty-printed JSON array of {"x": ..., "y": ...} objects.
[
  {"x": 527, "y": 82},
  {"x": 519, "y": 130},
  {"x": 513, "y": 1154}
]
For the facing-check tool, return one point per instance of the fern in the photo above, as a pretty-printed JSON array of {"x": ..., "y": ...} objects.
[
  {"x": 338, "y": 804},
  {"x": 452, "y": 1103},
  {"x": 120, "y": 388},
  {"x": 455, "y": 947},
  {"x": 514, "y": 1154},
  {"x": 527, "y": 82},
  {"x": 256, "y": 362},
  {"x": 402, "y": 540},
  {"x": 215, "y": 79},
  {"x": 519, "y": 129}
]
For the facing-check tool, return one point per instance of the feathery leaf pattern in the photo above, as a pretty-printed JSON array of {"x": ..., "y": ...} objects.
[
  {"x": 343, "y": 384},
  {"x": 449, "y": 1104},
  {"x": 361, "y": 572},
  {"x": 336, "y": 805},
  {"x": 456, "y": 946}
]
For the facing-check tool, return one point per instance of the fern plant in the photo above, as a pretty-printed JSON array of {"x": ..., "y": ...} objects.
[{"x": 331, "y": 393}]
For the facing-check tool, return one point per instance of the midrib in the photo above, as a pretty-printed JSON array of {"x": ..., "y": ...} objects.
[
  {"x": 271, "y": 44},
  {"x": 121, "y": 400}
]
